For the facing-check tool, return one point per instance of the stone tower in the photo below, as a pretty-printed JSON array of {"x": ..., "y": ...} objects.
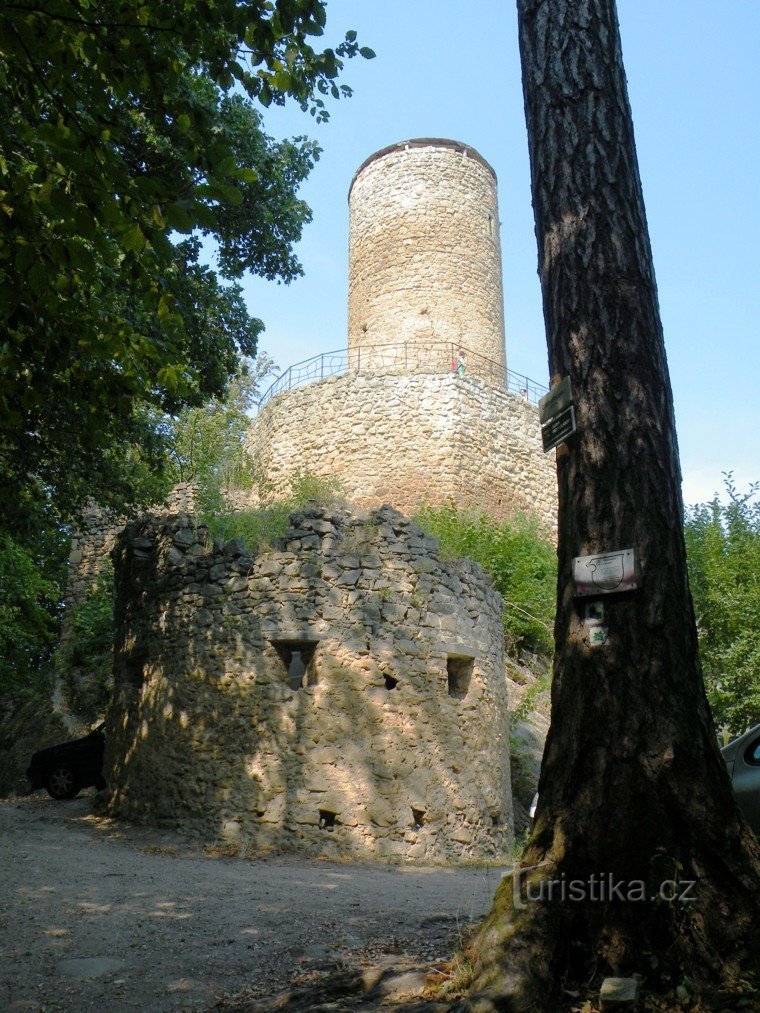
[
  {"x": 420, "y": 408},
  {"x": 424, "y": 251}
]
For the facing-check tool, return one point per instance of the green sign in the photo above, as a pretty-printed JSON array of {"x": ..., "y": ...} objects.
[
  {"x": 558, "y": 429},
  {"x": 559, "y": 398}
]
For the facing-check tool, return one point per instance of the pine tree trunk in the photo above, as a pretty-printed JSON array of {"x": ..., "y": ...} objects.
[{"x": 632, "y": 785}]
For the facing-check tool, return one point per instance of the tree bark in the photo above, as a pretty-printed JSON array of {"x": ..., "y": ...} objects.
[{"x": 632, "y": 785}]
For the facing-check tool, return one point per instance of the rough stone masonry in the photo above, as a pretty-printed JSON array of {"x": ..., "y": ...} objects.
[{"x": 341, "y": 694}]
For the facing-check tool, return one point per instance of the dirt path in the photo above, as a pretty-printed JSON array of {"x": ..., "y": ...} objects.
[{"x": 99, "y": 916}]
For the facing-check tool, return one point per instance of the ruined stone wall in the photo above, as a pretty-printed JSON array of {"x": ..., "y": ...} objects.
[
  {"x": 94, "y": 540},
  {"x": 424, "y": 249},
  {"x": 89, "y": 555},
  {"x": 406, "y": 440},
  {"x": 391, "y": 740}
]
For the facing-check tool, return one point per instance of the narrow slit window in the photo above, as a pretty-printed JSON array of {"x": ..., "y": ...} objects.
[
  {"x": 459, "y": 674},
  {"x": 297, "y": 659}
]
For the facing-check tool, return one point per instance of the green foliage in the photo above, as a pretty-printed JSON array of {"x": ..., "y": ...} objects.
[
  {"x": 260, "y": 528},
  {"x": 30, "y": 596},
  {"x": 85, "y": 658},
  {"x": 520, "y": 562},
  {"x": 91, "y": 626},
  {"x": 531, "y": 696},
  {"x": 204, "y": 444},
  {"x": 125, "y": 124},
  {"x": 256, "y": 528},
  {"x": 723, "y": 552}
]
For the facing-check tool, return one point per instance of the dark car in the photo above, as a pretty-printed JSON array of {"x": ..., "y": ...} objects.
[
  {"x": 742, "y": 758},
  {"x": 65, "y": 769}
]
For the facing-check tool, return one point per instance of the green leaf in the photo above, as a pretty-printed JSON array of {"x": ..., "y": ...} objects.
[
  {"x": 80, "y": 256},
  {"x": 367, "y": 53},
  {"x": 178, "y": 218},
  {"x": 282, "y": 81},
  {"x": 247, "y": 175},
  {"x": 231, "y": 195},
  {"x": 312, "y": 28},
  {"x": 133, "y": 239}
]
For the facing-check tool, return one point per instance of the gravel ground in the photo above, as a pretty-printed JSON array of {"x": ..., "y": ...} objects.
[{"x": 97, "y": 915}]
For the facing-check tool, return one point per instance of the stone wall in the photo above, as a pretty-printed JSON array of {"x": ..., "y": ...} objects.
[
  {"x": 404, "y": 440},
  {"x": 343, "y": 694},
  {"x": 424, "y": 249},
  {"x": 89, "y": 555},
  {"x": 500, "y": 464},
  {"x": 95, "y": 538}
]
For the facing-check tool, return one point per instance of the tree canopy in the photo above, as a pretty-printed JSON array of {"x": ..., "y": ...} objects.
[{"x": 127, "y": 125}]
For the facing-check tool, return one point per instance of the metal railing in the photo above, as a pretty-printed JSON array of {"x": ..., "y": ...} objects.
[{"x": 406, "y": 358}]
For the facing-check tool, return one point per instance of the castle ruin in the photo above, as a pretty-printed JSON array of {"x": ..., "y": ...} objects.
[
  {"x": 341, "y": 694},
  {"x": 344, "y": 692}
]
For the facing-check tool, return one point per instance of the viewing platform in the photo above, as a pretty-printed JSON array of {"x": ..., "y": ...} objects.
[{"x": 406, "y": 358}]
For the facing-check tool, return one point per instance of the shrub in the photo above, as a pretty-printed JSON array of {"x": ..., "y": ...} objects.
[
  {"x": 723, "y": 553},
  {"x": 521, "y": 563},
  {"x": 85, "y": 658},
  {"x": 260, "y": 528},
  {"x": 30, "y": 596}
]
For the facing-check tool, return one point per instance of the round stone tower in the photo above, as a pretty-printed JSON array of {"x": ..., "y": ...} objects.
[
  {"x": 421, "y": 408},
  {"x": 425, "y": 258}
]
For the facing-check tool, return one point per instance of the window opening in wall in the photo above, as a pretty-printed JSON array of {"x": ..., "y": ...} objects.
[
  {"x": 490, "y": 224},
  {"x": 134, "y": 668},
  {"x": 496, "y": 819},
  {"x": 459, "y": 672},
  {"x": 390, "y": 682},
  {"x": 418, "y": 816},
  {"x": 297, "y": 657},
  {"x": 327, "y": 819}
]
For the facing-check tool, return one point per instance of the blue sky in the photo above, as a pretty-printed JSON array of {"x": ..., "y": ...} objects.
[{"x": 444, "y": 69}]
